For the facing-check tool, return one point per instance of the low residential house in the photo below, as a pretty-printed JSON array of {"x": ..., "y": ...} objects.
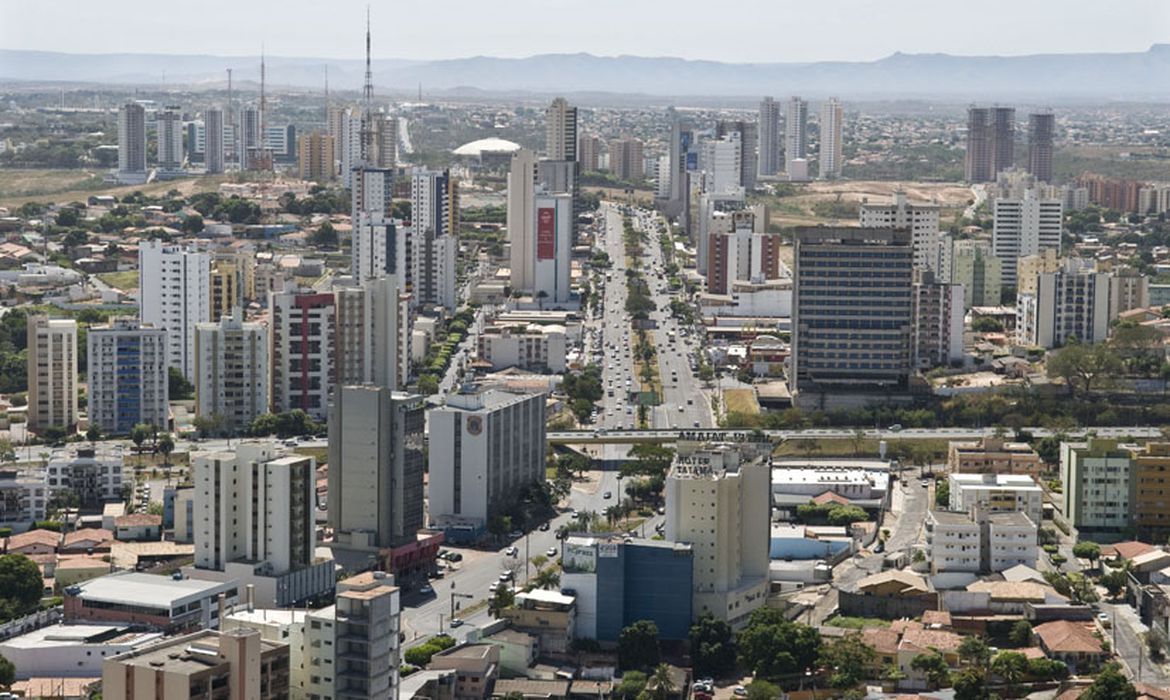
[
  {"x": 888, "y": 595},
  {"x": 530, "y": 689},
  {"x": 518, "y": 651},
  {"x": 74, "y": 569},
  {"x": 923, "y": 641},
  {"x": 1073, "y": 643},
  {"x": 90, "y": 539},
  {"x": 138, "y": 527},
  {"x": 548, "y": 615},
  {"x": 33, "y": 542},
  {"x": 1125, "y": 550},
  {"x": 993, "y": 455},
  {"x": 477, "y": 666},
  {"x": 884, "y": 643}
]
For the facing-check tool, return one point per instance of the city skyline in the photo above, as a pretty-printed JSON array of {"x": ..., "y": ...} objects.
[{"x": 508, "y": 30}]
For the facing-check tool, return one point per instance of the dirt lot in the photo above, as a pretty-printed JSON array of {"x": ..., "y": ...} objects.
[
  {"x": 839, "y": 200},
  {"x": 20, "y": 186}
]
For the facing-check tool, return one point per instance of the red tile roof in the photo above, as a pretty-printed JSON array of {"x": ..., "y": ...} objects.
[{"x": 1063, "y": 636}]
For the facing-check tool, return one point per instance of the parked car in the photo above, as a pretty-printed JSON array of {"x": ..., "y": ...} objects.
[
  {"x": 552, "y": 552},
  {"x": 426, "y": 590}
]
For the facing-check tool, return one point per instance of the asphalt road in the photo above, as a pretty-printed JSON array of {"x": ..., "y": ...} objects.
[{"x": 568, "y": 436}]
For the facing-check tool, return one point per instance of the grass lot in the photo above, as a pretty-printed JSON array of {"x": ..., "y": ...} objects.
[
  {"x": 844, "y": 447},
  {"x": 741, "y": 401},
  {"x": 124, "y": 280},
  {"x": 855, "y": 623},
  {"x": 20, "y": 186},
  {"x": 321, "y": 454}
]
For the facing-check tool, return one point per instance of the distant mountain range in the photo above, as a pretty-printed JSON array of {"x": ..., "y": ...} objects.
[{"x": 1119, "y": 76}]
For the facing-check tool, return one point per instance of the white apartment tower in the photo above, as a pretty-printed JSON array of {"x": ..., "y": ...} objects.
[
  {"x": 522, "y": 219},
  {"x": 832, "y": 119},
  {"x": 561, "y": 130},
  {"x": 213, "y": 152},
  {"x": 52, "y": 373},
  {"x": 1024, "y": 226},
  {"x": 169, "y": 131},
  {"x": 254, "y": 504},
  {"x": 920, "y": 219},
  {"x": 721, "y": 161},
  {"x": 231, "y": 371},
  {"x": 302, "y": 334},
  {"x": 174, "y": 294},
  {"x": 769, "y": 130},
  {"x": 795, "y": 133},
  {"x": 718, "y": 500},
  {"x": 372, "y": 334},
  {"x": 132, "y": 143},
  {"x": 380, "y": 246},
  {"x": 1073, "y": 302},
  {"x": 434, "y": 213},
  {"x": 127, "y": 375},
  {"x": 486, "y": 449}
]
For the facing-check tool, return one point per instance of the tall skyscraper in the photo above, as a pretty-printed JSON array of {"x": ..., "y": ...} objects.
[
  {"x": 174, "y": 294},
  {"x": 1072, "y": 302},
  {"x": 1040, "y": 132},
  {"x": 373, "y": 330},
  {"x": 769, "y": 131},
  {"x": 479, "y": 467},
  {"x": 379, "y": 247},
  {"x": 1024, "y": 226},
  {"x": 132, "y": 144},
  {"x": 52, "y": 373},
  {"x": 434, "y": 246},
  {"x": 626, "y": 159},
  {"x": 213, "y": 148},
  {"x": 376, "y": 459},
  {"x": 832, "y": 118},
  {"x": 226, "y": 292},
  {"x": 717, "y": 500},
  {"x": 990, "y": 142},
  {"x": 302, "y": 333},
  {"x": 739, "y": 251},
  {"x": 250, "y": 140},
  {"x": 127, "y": 373},
  {"x": 521, "y": 218},
  {"x": 589, "y": 153},
  {"x": 231, "y": 371},
  {"x": 851, "y": 315},
  {"x": 748, "y": 139},
  {"x": 795, "y": 132},
  {"x": 561, "y": 131},
  {"x": 169, "y": 131},
  {"x": 681, "y": 138}
]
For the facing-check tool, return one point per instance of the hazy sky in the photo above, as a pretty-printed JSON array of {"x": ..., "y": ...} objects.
[{"x": 756, "y": 30}]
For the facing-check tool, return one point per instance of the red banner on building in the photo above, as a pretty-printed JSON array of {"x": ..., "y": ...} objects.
[{"x": 546, "y": 233}]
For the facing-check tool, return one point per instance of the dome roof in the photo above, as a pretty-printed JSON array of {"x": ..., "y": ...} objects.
[{"x": 490, "y": 145}]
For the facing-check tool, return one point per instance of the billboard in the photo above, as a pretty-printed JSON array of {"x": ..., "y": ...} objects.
[
  {"x": 579, "y": 559},
  {"x": 546, "y": 233}
]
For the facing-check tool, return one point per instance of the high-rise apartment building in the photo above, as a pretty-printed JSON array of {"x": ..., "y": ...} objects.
[
  {"x": 302, "y": 333},
  {"x": 832, "y": 119},
  {"x": 973, "y": 266},
  {"x": 749, "y": 137},
  {"x": 1030, "y": 267},
  {"x": 990, "y": 142},
  {"x": 366, "y": 649},
  {"x": 768, "y": 128},
  {"x": 52, "y": 373},
  {"x": 486, "y": 450},
  {"x": 851, "y": 314},
  {"x": 434, "y": 212},
  {"x": 1041, "y": 128},
  {"x": 131, "y": 144},
  {"x": 174, "y": 295},
  {"x": 589, "y": 153},
  {"x": 718, "y": 500},
  {"x": 376, "y": 459},
  {"x": 795, "y": 133},
  {"x": 225, "y": 290},
  {"x": 213, "y": 141},
  {"x": 1097, "y": 478},
  {"x": 678, "y": 203},
  {"x": 168, "y": 126},
  {"x": 380, "y": 246},
  {"x": 920, "y": 219},
  {"x": 626, "y": 161},
  {"x": 561, "y": 131},
  {"x": 1072, "y": 302},
  {"x": 521, "y": 218},
  {"x": 127, "y": 374},
  {"x": 315, "y": 157},
  {"x": 938, "y": 313},
  {"x": 231, "y": 371},
  {"x": 373, "y": 329},
  {"x": 1024, "y": 226},
  {"x": 552, "y": 250},
  {"x": 739, "y": 251},
  {"x": 721, "y": 160}
]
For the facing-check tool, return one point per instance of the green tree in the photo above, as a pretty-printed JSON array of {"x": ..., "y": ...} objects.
[
  {"x": 7, "y": 673},
  {"x": 969, "y": 684},
  {"x": 139, "y": 434},
  {"x": 933, "y": 666},
  {"x": 649, "y": 460},
  {"x": 428, "y": 384},
  {"x": 712, "y": 647},
  {"x": 193, "y": 224},
  {"x": 166, "y": 445},
  {"x": 631, "y": 686},
  {"x": 503, "y": 598},
  {"x": 421, "y": 655},
  {"x": 973, "y": 651},
  {"x": 1115, "y": 580},
  {"x": 1084, "y": 367},
  {"x": 208, "y": 425},
  {"x": 178, "y": 388},
  {"x": 848, "y": 657},
  {"x": 93, "y": 434},
  {"x": 325, "y": 236},
  {"x": 771, "y": 646},
  {"x": 1087, "y": 550},
  {"x": 760, "y": 689},
  {"x": 547, "y": 579},
  {"x": 1011, "y": 666},
  {"x": 638, "y": 645},
  {"x": 1110, "y": 684},
  {"x": 1021, "y": 634},
  {"x": 662, "y": 684},
  {"x": 68, "y": 217},
  {"x": 21, "y": 585}
]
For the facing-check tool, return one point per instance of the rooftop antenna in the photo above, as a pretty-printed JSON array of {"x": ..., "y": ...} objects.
[
  {"x": 368, "y": 97},
  {"x": 229, "y": 113},
  {"x": 263, "y": 152}
]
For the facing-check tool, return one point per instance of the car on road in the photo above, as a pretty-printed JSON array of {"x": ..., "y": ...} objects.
[
  {"x": 607, "y": 495},
  {"x": 516, "y": 534},
  {"x": 895, "y": 428},
  {"x": 511, "y": 551},
  {"x": 552, "y": 552},
  {"x": 426, "y": 590},
  {"x": 506, "y": 576},
  {"x": 456, "y": 623},
  {"x": 544, "y": 526},
  {"x": 1103, "y": 618},
  {"x": 454, "y": 556},
  {"x": 738, "y": 690}
]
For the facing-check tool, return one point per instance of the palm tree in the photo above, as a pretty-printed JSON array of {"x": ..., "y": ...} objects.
[
  {"x": 663, "y": 685},
  {"x": 547, "y": 579}
]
